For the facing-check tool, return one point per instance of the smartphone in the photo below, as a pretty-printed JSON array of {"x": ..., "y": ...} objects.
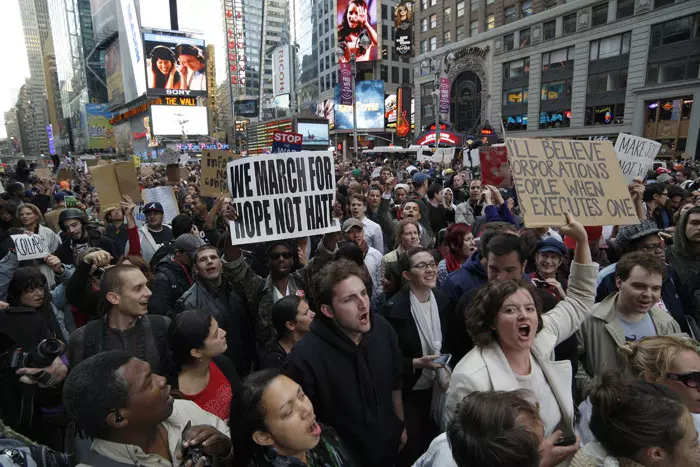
[
  {"x": 542, "y": 284},
  {"x": 443, "y": 359},
  {"x": 566, "y": 441}
]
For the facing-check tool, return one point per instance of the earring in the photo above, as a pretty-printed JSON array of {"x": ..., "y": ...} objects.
[{"x": 119, "y": 418}]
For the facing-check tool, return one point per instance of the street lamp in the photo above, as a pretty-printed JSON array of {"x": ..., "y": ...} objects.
[
  {"x": 438, "y": 66},
  {"x": 365, "y": 42}
]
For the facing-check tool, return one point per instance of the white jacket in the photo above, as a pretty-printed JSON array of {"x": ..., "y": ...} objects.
[{"x": 148, "y": 244}]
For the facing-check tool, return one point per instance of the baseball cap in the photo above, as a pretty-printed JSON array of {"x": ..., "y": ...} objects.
[
  {"x": 551, "y": 245},
  {"x": 350, "y": 223},
  {"x": 419, "y": 178},
  {"x": 153, "y": 207},
  {"x": 274, "y": 243},
  {"x": 629, "y": 233},
  {"x": 188, "y": 243},
  {"x": 356, "y": 172},
  {"x": 663, "y": 178},
  {"x": 59, "y": 197},
  {"x": 662, "y": 170}
]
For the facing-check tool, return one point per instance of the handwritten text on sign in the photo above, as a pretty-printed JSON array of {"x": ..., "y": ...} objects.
[
  {"x": 29, "y": 247},
  {"x": 282, "y": 196},
  {"x": 636, "y": 155},
  {"x": 582, "y": 177},
  {"x": 214, "y": 172}
]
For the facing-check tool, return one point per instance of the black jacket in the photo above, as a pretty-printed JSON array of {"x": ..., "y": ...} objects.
[
  {"x": 351, "y": 386},
  {"x": 95, "y": 239},
  {"x": 398, "y": 312},
  {"x": 171, "y": 282}
]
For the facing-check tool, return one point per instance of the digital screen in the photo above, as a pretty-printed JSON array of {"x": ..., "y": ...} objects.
[
  {"x": 356, "y": 19},
  {"x": 175, "y": 66},
  {"x": 174, "y": 120},
  {"x": 315, "y": 134},
  {"x": 369, "y": 96}
]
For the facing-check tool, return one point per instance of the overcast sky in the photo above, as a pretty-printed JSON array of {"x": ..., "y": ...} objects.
[{"x": 15, "y": 57}]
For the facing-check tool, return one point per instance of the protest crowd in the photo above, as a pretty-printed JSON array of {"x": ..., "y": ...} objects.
[{"x": 330, "y": 313}]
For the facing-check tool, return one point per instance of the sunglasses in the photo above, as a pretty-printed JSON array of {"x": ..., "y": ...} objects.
[
  {"x": 692, "y": 380},
  {"x": 278, "y": 255}
]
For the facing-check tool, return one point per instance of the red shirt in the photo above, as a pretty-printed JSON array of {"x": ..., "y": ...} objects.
[{"x": 216, "y": 397}]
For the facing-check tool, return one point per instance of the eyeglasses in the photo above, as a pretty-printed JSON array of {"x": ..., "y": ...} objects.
[
  {"x": 280, "y": 254},
  {"x": 656, "y": 248},
  {"x": 424, "y": 266},
  {"x": 692, "y": 380}
]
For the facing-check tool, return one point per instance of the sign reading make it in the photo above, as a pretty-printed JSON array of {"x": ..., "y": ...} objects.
[{"x": 286, "y": 142}]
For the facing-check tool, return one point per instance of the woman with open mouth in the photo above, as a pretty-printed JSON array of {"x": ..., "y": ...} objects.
[{"x": 514, "y": 345}]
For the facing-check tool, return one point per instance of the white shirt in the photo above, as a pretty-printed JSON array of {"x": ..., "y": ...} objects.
[
  {"x": 373, "y": 262},
  {"x": 373, "y": 234},
  {"x": 541, "y": 393},
  {"x": 197, "y": 81}
]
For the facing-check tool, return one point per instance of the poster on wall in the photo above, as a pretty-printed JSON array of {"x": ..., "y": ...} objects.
[
  {"x": 369, "y": 96},
  {"x": 99, "y": 131},
  {"x": 356, "y": 19},
  {"x": 113, "y": 71},
  {"x": 175, "y": 66},
  {"x": 403, "y": 29}
]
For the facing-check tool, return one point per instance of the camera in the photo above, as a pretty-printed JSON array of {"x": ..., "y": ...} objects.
[
  {"x": 194, "y": 453},
  {"x": 40, "y": 356}
]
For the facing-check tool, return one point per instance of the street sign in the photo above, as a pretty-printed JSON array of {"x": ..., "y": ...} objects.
[{"x": 286, "y": 142}]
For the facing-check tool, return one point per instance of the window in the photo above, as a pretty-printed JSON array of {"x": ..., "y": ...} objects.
[
  {"x": 473, "y": 28},
  {"x": 625, "y": 9},
  {"x": 673, "y": 70},
  {"x": 384, "y": 73},
  {"x": 549, "y": 4},
  {"x": 447, "y": 37},
  {"x": 569, "y": 24},
  {"x": 508, "y": 43},
  {"x": 490, "y": 2},
  {"x": 490, "y": 22},
  {"x": 600, "y": 14},
  {"x": 460, "y": 33},
  {"x": 676, "y": 30},
  {"x": 405, "y": 76},
  {"x": 524, "y": 37},
  {"x": 433, "y": 21},
  {"x": 433, "y": 43},
  {"x": 385, "y": 12},
  {"x": 558, "y": 58},
  {"x": 424, "y": 4},
  {"x": 395, "y": 74},
  {"x": 662, "y": 3},
  {"x": 424, "y": 25},
  {"x": 423, "y": 46},
  {"x": 447, "y": 15},
  {"x": 610, "y": 46},
  {"x": 385, "y": 32},
  {"x": 526, "y": 8},
  {"x": 549, "y": 30},
  {"x": 515, "y": 96},
  {"x": 555, "y": 90},
  {"x": 516, "y": 68},
  {"x": 556, "y": 119},
  {"x": 615, "y": 80},
  {"x": 515, "y": 122},
  {"x": 509, "y": 14},
  {"x": 475, "y": 5},
  {"x": 460, "y": 9},
  {"x": 612, "y": 114}
]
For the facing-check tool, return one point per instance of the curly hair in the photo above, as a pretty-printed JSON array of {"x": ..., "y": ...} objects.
[
  {"x": 481, "y": 314},
  {"x": 332, "y": 274}
]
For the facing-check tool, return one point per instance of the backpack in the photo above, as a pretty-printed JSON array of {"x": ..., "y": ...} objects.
[
  {"x": 166, "y": 249},
  {"x": 15, "y": 453}
]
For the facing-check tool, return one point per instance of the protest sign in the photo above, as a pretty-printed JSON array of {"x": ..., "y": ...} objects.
[
  {"x": 146, "y": 170},
  {"x": 128, "y": 180},
  {"x": 2, "y": 189},
  {"x": 282, "y": 196},
  {"x": 29, "y": 247},
  {"x": 173, "y": 173},
  {"x": 636, "y": 155},
  {"x": 495, "y": 169},
  {"x": 65, "y": 173},
  {"x": 93, "y": 162},
  {"x": 43, "y": 174},
  {"x": 214, "y": 172},
  {"x": 582, "y": 177},
  {"x": 169, "y": 156},
  {"x": 165, "y": 196},
  {"x": 286, "y": 142},
  {"x": 444, "y": 155},
  {"x": 71, "y": 201},
  {"x": 114, "y": 180}
]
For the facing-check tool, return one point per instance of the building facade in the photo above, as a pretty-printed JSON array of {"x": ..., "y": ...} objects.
[{"x": 594, "y": 69}]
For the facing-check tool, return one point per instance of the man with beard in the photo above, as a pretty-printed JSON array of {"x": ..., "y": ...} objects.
[
  {"x": 354, "y": 232},
  {"x": 626, "y": 316},
  {"x": 128, "y": 410},
  {"x": 79, "y": 237},
  {"x": 126, "y": 324},
  {"x": 684, "y": 256}
]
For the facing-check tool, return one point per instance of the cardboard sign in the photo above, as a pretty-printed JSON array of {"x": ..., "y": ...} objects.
[
  {"x": 165, "y": 196},
  {"x": 128, "y": 180},
  {"x": 43, "y": 174},
  {"x": 286, "y": 142},
  {"x": 173, "y": 173},
  {"x": 114, "y": 180},
  {"x": 583, "y": 177},
  {"x": 29, "y": 247},
  {"x": 214, "y": 172},
  {"x": 65, "y": 173},
  {"x": 444, "y": 155},
  {"x": 636, "y": 155},
  {"x": 495, "y": 169},
  {"x": 146, "y": 170},
  {"x": 282, "y": 196}
]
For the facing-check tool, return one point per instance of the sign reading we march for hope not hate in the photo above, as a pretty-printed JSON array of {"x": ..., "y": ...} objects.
[
  {"x": 554, "y": 176},
  {"x": 282, "y": 196}
]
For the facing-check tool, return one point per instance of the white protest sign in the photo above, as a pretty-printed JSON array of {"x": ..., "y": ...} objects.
[
  {"x": 636, "y": 155},
  {"x": 440, "y": 155},
  {"x": 29, "y": 247},
  {"x": 282, "y": 196},
  {"x": 165, "y": 196},
  {"x": 170, "y": 156}
]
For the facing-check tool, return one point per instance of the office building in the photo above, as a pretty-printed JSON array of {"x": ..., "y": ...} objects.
[
  {"x": 12, "y": 129},
  {"x": 595, "y": 68}
]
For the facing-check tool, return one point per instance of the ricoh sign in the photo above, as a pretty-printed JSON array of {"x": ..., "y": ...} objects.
[{"x": 281, "y": 70}]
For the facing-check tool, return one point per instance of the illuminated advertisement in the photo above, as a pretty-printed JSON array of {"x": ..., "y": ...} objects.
[
  {"x": 403, "y": 29},
  {"x": 235, "y": 43},
  {"x": 52, "y": 145},
  {"x": 175, "y": 66},
  {"x": 404, "y": 114},
  {"x": 260, "y": 135},
  {"x": 115, "y": 79},
  {"x": 247, "y": 108},
  {"x": 369, "y": 96},
  {"x": 171, "y": 120},
  {"x": 315, "y": 134},
  {"x": 100, "y": 132},
  {"x": 390, "y": 111},
  {"x": 356, "y": 19}
]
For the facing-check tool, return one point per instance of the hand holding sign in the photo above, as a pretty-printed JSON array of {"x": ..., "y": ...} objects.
[{"x": 29, "y": 246}]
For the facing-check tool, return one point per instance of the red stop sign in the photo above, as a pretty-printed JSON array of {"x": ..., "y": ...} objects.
[{"x": 291, "y": 138}]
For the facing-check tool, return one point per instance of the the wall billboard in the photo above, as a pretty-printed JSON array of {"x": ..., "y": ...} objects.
[{"x": 174, "y": 120}]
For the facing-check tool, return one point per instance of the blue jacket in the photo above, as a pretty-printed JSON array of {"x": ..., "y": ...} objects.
[{"x": 471, "y": 275}]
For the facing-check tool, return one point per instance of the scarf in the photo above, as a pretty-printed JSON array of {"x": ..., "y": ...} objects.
[{"x": 430, "y": 333}]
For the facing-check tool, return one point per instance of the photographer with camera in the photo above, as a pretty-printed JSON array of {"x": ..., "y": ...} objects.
[{"x": 32, "y": 346}]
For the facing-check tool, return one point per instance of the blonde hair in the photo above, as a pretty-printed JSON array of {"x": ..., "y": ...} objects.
[
  {"x": 34, "y": 209},
  {"x": 651, "y": 358}
]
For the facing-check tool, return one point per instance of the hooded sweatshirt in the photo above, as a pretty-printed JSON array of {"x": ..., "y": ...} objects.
[
  {"x": 684, "y": 257},
  {"x": 351, "y": 386},
  {"x": 471, "y": 275}
]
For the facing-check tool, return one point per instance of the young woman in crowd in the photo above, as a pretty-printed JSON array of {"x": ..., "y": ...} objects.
[
  {"x": 32, "y": 220},
  {"x": 291, "y": 317},
  {"x": 278, "y": 427},
  {"x": 638, "y": 424},
  {"x": 549, "y": 256},
  {"x": 201, "y": 372},
  {"x": 459, "y": 246},
  {"x": 514, "y": 341}
]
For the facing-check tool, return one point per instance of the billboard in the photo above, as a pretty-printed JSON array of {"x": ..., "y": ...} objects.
[
  {"x": 390, "y": 111},
  {"x": 355, "y": 19},
  {"x": 282, "y": 71},
  {"x": 115, "y": 78},
  {"x": 369, "y": 98},
  {"x": 247, "y": 108},
  {"x": 133, "y": 36},
  {"x": 171, "y": 120},
  {"x": 404, "y": 113},
  {"x": 403, "y": 29},
  {"x": 100, "y": 134},
  {"x": 315, "y": 134},
  {"x": 175, "y": 66}
]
